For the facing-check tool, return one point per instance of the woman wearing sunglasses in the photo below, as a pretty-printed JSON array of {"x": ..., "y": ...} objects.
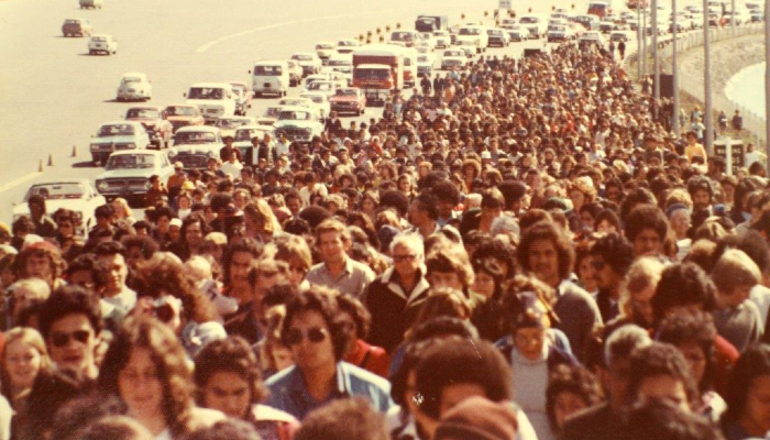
[
  {"x": 318, "y": 341},
  {"x": 147, "y": 368}
]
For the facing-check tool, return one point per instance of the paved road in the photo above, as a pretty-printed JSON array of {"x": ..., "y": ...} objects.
[{"x": 56, "y": 95}]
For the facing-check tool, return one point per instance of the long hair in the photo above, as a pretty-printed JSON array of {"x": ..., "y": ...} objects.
[{"x": 170, "y": 362}]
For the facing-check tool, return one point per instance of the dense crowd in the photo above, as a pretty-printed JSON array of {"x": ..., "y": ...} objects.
[{"x": 520, "y": 249}]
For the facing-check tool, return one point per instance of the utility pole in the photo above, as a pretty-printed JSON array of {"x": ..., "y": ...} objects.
[
  {"x": 655, "y": 59},
  {"x": 708, "y": 137},
  {"x": 767, "y": 82},
  {"x": 644, "y": 40},
  {"x": 675, "y": 73},
  {"x": 638, "y": 40}
]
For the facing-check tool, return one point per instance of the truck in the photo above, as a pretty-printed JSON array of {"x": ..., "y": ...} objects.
[
  {"x": 378, "y": 69},
  {"x": 431, "y": 23},
  {"x": 600, "y": 8}
]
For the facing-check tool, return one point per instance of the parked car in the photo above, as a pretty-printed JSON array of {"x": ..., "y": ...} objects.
[
  {"x": 295, "y": 72},
  {"x": 321, "y": 100},
  {"x": 228, "y": 124},
  {"x": 117, "y": 136},
  {"x": 193, "y": 146},
  {"x": 243, "y": 140},
  {"x": 270, "y": 115},
  {"x": 309, "y": 62},
  {"x": 127, "y": 173},
  {"x": 498, "y": 37},
  {"x": 243, "y": 97},
  {"x": 102, "y": 43},
  {"x": 182, "y": 115},
  {"x": 134, "y": 86},
  {"x": 324, "y": 50},
  {"x": 76, "y": 27},
  {"x": 78, "y": 195},
  {"x": 155, "y": 122},
  {"x": 348, "y": 100},
  {"x": 347, "y": 46},
  {"x": 214, "y": 100},
  {"x": 91, "y": 4},
  {"x": 298, "y": 124}
]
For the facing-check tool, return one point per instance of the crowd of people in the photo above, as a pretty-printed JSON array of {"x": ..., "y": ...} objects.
[{"x": 518, "y": 251}]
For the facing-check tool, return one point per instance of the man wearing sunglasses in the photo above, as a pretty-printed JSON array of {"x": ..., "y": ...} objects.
[
  {"x": 612, "y": 256},
  {"x": 318, "y": 340},
  {"x": 70, "y": 322}
]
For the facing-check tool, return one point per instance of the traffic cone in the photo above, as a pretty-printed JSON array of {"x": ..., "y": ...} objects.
[
  {"x": 74, "y": 151},
  {"x": 50, "y": 160},
  {"x": 40, "y": 167}
]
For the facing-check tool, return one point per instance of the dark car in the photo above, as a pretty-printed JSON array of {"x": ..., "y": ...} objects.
[{"x": 77, "y": 27}]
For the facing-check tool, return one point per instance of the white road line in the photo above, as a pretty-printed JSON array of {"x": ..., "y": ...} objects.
[
  {"x": 211, "y": 43},
  {"x": 19, "y": 181}
]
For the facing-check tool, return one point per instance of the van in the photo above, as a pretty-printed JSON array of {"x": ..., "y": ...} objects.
[
  {"x": 473, "y": 35},
  {"x": 91, "y": 4},
  {"x": 270, "y": 77},
  {"x": 214, "y": 100}
]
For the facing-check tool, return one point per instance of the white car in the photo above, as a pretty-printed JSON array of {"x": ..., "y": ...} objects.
[
  {"x": 473, "y": 35},
  {"x": 214, "y": 100},
  {"x": 425, "y": 65},
  {"x": 102, "y": 43},
  {"x": 295, "y": 72},
  {"x": 299, "y": 102},
  {"x": 591, "y": 37},
  {"x": 309, "y": 62},
  {"x": 537, "y": 25},
  {"x": 228, "y": 124},
  {"x": 347, "y": 46},
  {"x": 321, "y": 100},
  {"x": 78, "y": 195},
  {"x": 243, "y": 138},
  {"x": 127, "y": 173},
  {"x": 298, "y": 124},
  {"x": 326, "y": 87},
  {"x": 194, "y": 145},
  {"x": 453, "y": 62},
  {"x": 442, "y": 38},
  {"x": 426, "y": 38},
  {"x": 117, "y": 136},
  {"x": 517, "y": 33},
  {"x": 498, "y": 37},
  {"x": 325, "y": 49},
  {"x": 134, "y": 86},
  {"x": 270, "y": 115}
]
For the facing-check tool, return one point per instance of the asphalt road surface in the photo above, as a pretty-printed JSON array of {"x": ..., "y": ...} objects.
[{"x": 54, "y": 96}]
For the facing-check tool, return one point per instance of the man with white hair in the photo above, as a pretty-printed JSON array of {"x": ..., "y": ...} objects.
[
  {"x": 603, "y": 421},
  {"x": 394, "y": 297}
]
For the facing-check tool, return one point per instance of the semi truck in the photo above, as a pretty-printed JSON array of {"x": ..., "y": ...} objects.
[{"x": 378, "y": 69}]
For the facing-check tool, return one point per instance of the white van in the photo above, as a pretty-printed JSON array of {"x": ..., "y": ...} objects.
[
  {"x": 214, "y": 100},
  {"x": 270, "y": 77},
  {"x": 473, "y": 35}
]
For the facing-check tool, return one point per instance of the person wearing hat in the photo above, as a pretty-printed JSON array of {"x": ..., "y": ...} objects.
[
  {"x": 533, "y": 349},
  {"x": 478, "y": 418}
]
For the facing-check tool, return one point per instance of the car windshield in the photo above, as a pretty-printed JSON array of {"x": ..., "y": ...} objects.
[
  {"x": 453, "y": 53},
  {"x": 99, "y": 39},
  {"x": 293, "y": 115},
  {"x": 401, "y": 36},
  {"x": 181, "y": 111},
  {"x": 346, "y": 92},
  {"x": 194, "y": 137},
  {"x": 229, "y": 124},
  {"x": 378, "y": 74},
  {"x": 470, "y": 31},
  {"x": 206, "y": 93},
  {"x": 319, "y": 85},
  {"x": 340, "y": 63},
  {"x": 116, "y": 130},
  {"x": 72, "y": 21},
  {"x": 268, "y": 70},
  {"x": 527, "y": 20},
  {"x": 143, "y": 113},
  {"x": 493, "y": 32},
  {"x": 53, "y": 191},
  {"x": 324, "y": 46},
  {"x": 131, "y": 79},
  {"x": 247, "y": 134},
  {"x": 422, "y": 59},
  {"x": 272, "y": 112},
  {"x": 346, "y": 43},
  {"x": 126, "y": 161},
  {"x": 316, "y": 98},
  {"x": 303, "y": 57}
]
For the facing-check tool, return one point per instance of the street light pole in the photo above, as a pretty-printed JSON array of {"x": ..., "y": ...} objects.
[
  {"x": 709, "y": 135},
  {"x": 655, "y": 59},
  {"x": 644, "y": 40},
  {"x": 767, "y": 83},
  {"x": 675, "y": 73},
  {"x": 638, "y": 41}
]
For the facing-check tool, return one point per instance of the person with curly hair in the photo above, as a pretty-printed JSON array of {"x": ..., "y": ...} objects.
[
  {"x": 228, "y": 379},
  {"x": 147, "y": 368},
  {"x": 570, "y": 389}
]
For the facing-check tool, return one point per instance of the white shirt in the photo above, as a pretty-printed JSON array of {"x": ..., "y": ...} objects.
[{"x": 232, "y": 169}]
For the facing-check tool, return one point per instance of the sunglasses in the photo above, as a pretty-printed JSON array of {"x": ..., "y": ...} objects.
[
  {"x": 295, "y": 336},
  {"x": 62, "y": 339}
]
